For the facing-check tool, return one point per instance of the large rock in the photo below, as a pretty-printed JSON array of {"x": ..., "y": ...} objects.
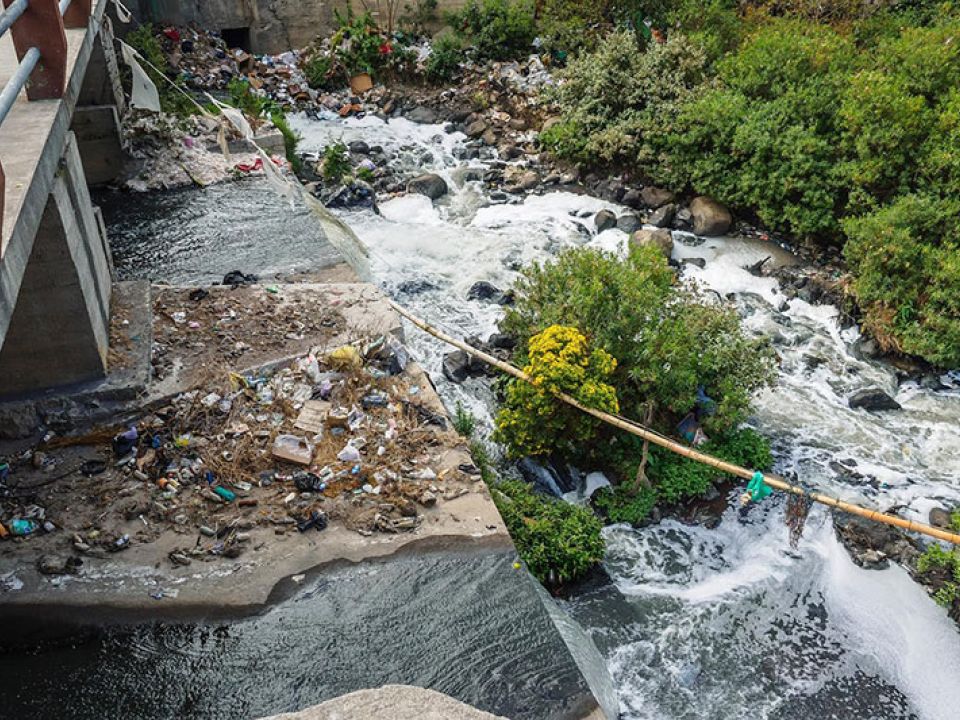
[
  {"x": 476, "y": 128},
  {"x": 654, "y": 197},
  {"x": 433, "y": 186},
  {"x": 629, "y": 223},
  {"x": 710, "y": 218},
  {"x": 939, "y": 517},
  {"x": 662, "y": 217},
  {"x": 604, "y": 220},
  {"x": 660, "y": 239},
  {"x": 482, "y": 290},
  {"x": 422, "y": 116},
  {"x": 873, "y": 399}
]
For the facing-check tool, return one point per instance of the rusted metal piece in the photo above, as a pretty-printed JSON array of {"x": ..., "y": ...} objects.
[
  {"x": 78, "y": 13},
  {"x": 41, "y": 26}
]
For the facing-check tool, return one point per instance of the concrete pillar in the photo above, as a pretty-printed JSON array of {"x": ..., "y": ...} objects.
[
  {"x": 59, "y": 331},
  {"x": 97, "y": 128},
  {"x": 101, "y": 82}
]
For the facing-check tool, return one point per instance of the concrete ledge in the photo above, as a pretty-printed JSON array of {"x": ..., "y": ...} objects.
[{"x": 398, "y": 702}]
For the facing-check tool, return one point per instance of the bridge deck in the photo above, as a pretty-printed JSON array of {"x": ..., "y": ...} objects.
[{"x": 26, "y": 131}]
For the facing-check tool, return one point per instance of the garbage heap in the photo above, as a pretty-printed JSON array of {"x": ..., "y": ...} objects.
[{"x": 344, "y": 436}]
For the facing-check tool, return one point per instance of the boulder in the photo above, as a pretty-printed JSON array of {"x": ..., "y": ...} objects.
[
  {"x": 660, "y": 239},
  {"x": 482, "y": 290},
  {"x": 873, "y": 399},
  {"x": 433, "y": 186},
  {"x": 604, "y": 220},
  {"x": 629, "y": 223},
  {"x": 684, "y": 219},
  {"x": 710, "y": 218},
  {"x": 422, "y": 116},
  {"x": 696, "y": 261},
  {"x": 456, "y": 366},
  {"x": 654, "y": 197},
  {"x": 524, "y": 181},
  {"x": 500, "y": 341},
  {"x": 631, "y": 198},
  {"x": 939, "y": 517},
  {"x": 662, "y": 217},
  {"x": 489, "y": 137},
  {"x": 359, "y": 147},
  {"x": 476, "y": 128}
]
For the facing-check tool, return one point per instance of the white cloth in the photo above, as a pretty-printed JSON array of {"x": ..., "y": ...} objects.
[
  {"x": 123, "y": 14},
  {"x": 143, "y": 93}
]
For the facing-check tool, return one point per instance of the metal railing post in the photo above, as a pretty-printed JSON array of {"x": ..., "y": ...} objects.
[
  {"x": 77, "y": 13},
  {"x": 41, "y": 27}
]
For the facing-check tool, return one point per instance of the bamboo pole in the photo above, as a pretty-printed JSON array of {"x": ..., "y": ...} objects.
[{"x": 684, "y": 450}]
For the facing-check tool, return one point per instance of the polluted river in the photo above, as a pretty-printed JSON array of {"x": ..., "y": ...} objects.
[{"x": 727, "y": 622}]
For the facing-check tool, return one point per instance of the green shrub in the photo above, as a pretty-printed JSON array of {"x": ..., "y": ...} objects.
[
  {"x": 906, "y": 263},
  {"x": 945, "y": 563},
  {"x": 558, "y": 541},
  {"x": 145, "y": 41},
  {"x": 532, "y": 421},
  {"x": 322, "y": 73},
  {"x": 566, "y": 140},
  {"x": 444, "y": 61},
  {"x": 623, "y": 504},
  {"x": 497, "y": 29},
  {"x": 463, "y": 421},
  {"x": 336, "y": 162},
  {"x": 764, "y": 138},
  {"x": 667, "y": 341},
  {"x": 621, "y": 99}
]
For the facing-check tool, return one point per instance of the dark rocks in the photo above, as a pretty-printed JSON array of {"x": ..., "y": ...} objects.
[
  {"x": 415, "y": 287},
  {"x": 235, "y": 279},
  {"x": 710, "y": 218},
  {"x": 872, "y": 545},
  {"x": 433, "y": 186},
  {"x": 500, "y": 341},
  {"x": 873, "y": 399},
  {"x": 524, "y": 182},
  {"x": 486, "y": 292},
  {"x": 359, "y": 147},
  {"x": 604, "y": 220},
  {"x": 476, "y": 129},
  {"x": 632, "y": 198},
  {"x": 654, "y": 197},
  {"x": 684, "y": 219},
  {"x": 422, "y": 116},
  {"x": 458, "y": 366},
  {"x": 940, "y": 518},
  {"x": 629, "y": 223},
  {"x": 660, "y": 239},
  {"x": 698, "y": 262},
  {"x": 51, "y": 565},
  {"x": 662, "y": 217}
]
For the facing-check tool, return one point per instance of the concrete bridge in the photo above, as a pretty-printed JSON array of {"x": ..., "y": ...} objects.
[{"x": 59, "y": 131}]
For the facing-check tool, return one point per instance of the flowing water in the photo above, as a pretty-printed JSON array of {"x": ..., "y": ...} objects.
[{"x": 697, "y": 623}]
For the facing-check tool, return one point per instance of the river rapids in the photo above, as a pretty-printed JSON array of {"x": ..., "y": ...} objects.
[{"x": 697, "y": 623}]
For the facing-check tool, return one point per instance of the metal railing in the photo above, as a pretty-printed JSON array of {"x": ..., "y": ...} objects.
[{"x": 37, "y": 28}]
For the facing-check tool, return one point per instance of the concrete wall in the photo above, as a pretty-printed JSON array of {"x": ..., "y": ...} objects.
[
  {"x": 275, "y": 25},
  {"x": 58, "y": 333}
]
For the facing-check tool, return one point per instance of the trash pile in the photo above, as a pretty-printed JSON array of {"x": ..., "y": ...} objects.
[{"x": 345, "y": 436}]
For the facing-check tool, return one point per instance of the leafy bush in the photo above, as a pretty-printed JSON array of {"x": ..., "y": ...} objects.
[
  {"x": 145, "y": 41},
  {"x": 323, "y": 73},
  {"x": 532, "y": 421},
  {"x": 906, "y": 263},
  {"x": 259, "y": 108},
  {"x": 336, "y": 162},
  {"x": 764, "y": 138},
  {"x": 668, "y": 342},
  {"x": 444, "y": 61},
  {"x": 463, "y": 421},
  {"x": 624, "y": 504},
  {"x": 946, "y": 563},
  {"x": 498, "y": 29},
  {"x": 558, "y": 541},
  {"x": 620, "y": 99}
]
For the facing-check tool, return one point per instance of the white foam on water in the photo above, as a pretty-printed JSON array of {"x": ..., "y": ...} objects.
[{"x": 890, "y": 619}]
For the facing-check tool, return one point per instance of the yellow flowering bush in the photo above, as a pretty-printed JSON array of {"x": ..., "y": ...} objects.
[{"x": 532, "y": 421}]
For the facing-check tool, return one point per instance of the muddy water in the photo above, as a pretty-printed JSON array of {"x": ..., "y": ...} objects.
[{"x": 728, "y": 623}]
